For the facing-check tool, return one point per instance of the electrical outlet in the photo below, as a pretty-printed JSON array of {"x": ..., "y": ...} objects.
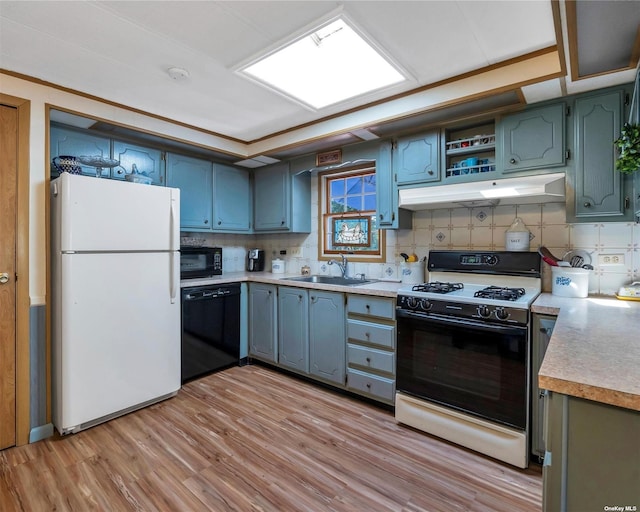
[
  {"x": 296, "y": 252},
  {"x": 610, "y": 259}
]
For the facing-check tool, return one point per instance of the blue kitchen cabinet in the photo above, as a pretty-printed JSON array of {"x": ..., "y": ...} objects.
[
  {"x": 194, "y": 178},
  {"x": 389, "y": 215},
  {"x": 416, "y": 159},
  {"x": 327, "y": 336},
  {"x": 293, "y": 328},
  {"x": 532, "y": 139},
  {"x": 282, "y": 200},
  {"x": 263, "y": 321},
  {"x": 70, "y": 142},
  {"x": 601, "y": 193},
  {"x": 135, "y": 158},
  {"x": 231, "y": 199}
]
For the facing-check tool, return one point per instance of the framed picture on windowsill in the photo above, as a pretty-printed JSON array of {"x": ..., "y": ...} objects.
[{"x": 351, "y": 231}]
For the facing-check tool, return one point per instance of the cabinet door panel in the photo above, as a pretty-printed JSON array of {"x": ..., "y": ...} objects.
[
  {"x": 327, "y": 344},
  {"x": 147, "y": 161},
  {"x": 263, "y": 321},
  {"x": 534, "y": 139},
  {"x": 69, "y": 142},
  {"x": 194, "y": 178},
  {"x": 599, "y": 187},
  {"x": 416, "y": 159},
  {"x": 231, "y": 203},
  {"x": 272, "y": 197},
  {"x": 293, "y": 328}
]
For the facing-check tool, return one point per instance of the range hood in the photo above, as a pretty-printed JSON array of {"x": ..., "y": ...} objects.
[{"x": 542, "y": 188}]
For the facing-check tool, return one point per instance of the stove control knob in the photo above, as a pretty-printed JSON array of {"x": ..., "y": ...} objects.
[
  {"x": 425, "y": 305},
  {"x": 412, "y": 302},
  {"x": 501, "y": 314},
  {"x": 484, "y": 312}
]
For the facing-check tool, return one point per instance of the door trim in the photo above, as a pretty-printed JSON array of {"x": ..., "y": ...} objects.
[{"x": 23, "y": 400}]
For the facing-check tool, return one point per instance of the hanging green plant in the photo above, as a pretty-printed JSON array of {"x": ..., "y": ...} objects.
[{"x": 628, "y": 145}]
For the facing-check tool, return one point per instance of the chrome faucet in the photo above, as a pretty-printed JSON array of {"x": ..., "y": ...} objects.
[{"x": 343, "y": 266}]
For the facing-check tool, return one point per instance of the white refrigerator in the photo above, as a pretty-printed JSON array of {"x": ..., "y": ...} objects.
[{"x": 115, "y": 298}]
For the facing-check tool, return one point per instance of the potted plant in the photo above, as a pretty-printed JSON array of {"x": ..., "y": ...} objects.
[{"x": 628, "y": 145}]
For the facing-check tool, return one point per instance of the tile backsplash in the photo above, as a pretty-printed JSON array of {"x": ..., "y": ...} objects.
[{"x": 614, "y": 247}]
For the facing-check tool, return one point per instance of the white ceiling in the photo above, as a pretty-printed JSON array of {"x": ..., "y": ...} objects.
[{"x": 121, "y": 50}]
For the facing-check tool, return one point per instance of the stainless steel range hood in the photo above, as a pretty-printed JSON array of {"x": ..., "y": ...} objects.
[{"x": 542, "y": 188}]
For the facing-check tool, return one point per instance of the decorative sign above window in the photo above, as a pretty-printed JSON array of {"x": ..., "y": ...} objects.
[{"x": 329, "y": 158}]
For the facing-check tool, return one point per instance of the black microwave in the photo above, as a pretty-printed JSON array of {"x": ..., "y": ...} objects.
[{"x": 200, "y": 262}]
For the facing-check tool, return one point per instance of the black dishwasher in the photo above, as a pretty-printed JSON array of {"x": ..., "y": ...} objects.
[{"x": 210, "y": 329}]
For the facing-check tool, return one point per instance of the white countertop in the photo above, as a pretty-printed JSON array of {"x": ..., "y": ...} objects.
[
  {"x": 379, "y": 288},
  {"x": 594, "y": 352}
]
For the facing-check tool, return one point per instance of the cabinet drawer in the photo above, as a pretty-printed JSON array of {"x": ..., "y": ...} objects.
[
  {"x": 371, "y": 306},
  {"x": 368, "y": 332},
  {"x": 372, "y": 385},
  {"x": 371, "y": 358}
]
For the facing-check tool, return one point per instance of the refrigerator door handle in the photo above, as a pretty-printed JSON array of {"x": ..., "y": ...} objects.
[
  {"x": 172, "y": 276},
  {"x": 172, "y": 223}
]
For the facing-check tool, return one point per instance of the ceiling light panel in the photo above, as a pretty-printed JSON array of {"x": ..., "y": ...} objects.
[{"x": 331, "y": 64}]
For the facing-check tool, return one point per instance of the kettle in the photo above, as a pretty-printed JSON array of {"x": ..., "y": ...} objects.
[{"x": 255, "y": 260}]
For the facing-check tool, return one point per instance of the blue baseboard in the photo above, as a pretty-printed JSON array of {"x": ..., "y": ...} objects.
[{"x": 41, "y": 432}]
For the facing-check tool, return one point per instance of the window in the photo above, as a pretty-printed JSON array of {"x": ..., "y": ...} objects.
[{"x": 348, "y": 215}]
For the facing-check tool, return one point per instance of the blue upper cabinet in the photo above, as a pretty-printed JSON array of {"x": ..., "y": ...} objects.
[
  {"x": 601, "y": 192},
  {"x": 138, "y": 159},
  {"x": 416, "y": 159},
  {"x": 231, "y": 199},
  {"x": 389, "y": 215},
  {"x": 281, "y": 200},
  {"x": 194, "y": 178},
  {"x": 533, "y": 139},
  {"x": 70, "y": 142}
]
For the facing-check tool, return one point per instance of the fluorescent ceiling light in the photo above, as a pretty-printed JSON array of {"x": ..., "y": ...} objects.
[{"x": 327, "y": 66}]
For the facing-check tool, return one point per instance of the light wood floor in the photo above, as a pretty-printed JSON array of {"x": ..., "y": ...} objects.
[{"x": 252, "y": 439}]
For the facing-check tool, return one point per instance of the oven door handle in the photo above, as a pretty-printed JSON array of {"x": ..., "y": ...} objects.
[{"x": 462, "y": 322}]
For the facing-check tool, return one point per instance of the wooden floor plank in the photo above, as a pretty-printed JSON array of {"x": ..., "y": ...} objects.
[{"x": 253, "y": 439}]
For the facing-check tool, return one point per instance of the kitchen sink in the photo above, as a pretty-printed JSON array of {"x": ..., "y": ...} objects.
[{"x": 340, "y": 281}]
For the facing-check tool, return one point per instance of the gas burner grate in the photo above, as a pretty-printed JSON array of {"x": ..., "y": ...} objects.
[
  {"x": 438, "y": 287},
  {"x": 500, "y": 293}
]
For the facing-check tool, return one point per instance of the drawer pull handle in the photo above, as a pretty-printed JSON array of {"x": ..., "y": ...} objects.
[
  {"x": 367, "y": 334},
  {"x": 368, "y": 360},
  {"x": 368, "y": 385}
]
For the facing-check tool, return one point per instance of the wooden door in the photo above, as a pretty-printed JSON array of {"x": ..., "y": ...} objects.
[{"x": 8, "y": 201}]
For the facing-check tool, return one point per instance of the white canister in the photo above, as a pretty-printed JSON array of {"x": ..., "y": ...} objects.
[
  {"x": 569, "y": 282},
  {"x": 412, "y": 272},
  {"x": 516, "y": 238},
  {"x": 277, "y": 266}
]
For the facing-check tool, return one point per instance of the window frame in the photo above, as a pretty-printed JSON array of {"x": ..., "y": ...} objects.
[{"x": 325, "y": 215}]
